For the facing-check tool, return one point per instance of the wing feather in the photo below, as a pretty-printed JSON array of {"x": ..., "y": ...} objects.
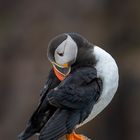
[
  {"x": 81, "y": 88},
  {"x": 43, "y": 111},
  {"x": 61, "y": 123}
]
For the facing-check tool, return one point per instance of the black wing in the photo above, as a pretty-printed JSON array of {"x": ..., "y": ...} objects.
[
  {"x": 43, "y": 111},
  {"x": 76, "y": 91},
  {"x": 61, "y": 123},
  {"x": 74, "y": 98}
]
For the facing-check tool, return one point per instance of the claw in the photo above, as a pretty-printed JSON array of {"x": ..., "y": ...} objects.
[{"x": 74, "y": 136}]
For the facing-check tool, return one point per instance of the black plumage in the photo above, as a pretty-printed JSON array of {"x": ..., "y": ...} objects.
[
  {"x": 65, "y": 104},
  {"x": 43, "y": 111},
  {"x": 61, "y": 109}
]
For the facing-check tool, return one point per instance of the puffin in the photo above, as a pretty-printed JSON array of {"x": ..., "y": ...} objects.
[{"x": 81, "y": 83}]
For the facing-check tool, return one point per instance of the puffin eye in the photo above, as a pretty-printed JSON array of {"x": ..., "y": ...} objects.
[{"x": 60, "y": 54}]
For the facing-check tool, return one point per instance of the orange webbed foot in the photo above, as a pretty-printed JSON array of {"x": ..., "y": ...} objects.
[{"x": 74, "y": 136}]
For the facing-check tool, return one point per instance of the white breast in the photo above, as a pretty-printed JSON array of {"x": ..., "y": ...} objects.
[{"x": 107, "y": 70}]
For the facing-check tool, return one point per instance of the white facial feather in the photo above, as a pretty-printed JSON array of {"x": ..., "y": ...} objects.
[{"x": 68, "y": 50}]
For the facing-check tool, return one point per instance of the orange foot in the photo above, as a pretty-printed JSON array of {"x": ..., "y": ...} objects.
[{"x": 74, "y": 136}]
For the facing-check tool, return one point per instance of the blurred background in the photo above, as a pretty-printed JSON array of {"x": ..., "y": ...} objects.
[{"x": 25, "y": 30}]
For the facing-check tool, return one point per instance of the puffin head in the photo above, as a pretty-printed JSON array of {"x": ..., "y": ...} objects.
[
  {"x": 62, "y": 53},
  {"x": 67, "y": 49},
  {"x": 65, "y": 54}
]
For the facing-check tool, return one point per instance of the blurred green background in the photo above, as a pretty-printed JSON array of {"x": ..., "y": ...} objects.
[{"x": 26, "y": 26}]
